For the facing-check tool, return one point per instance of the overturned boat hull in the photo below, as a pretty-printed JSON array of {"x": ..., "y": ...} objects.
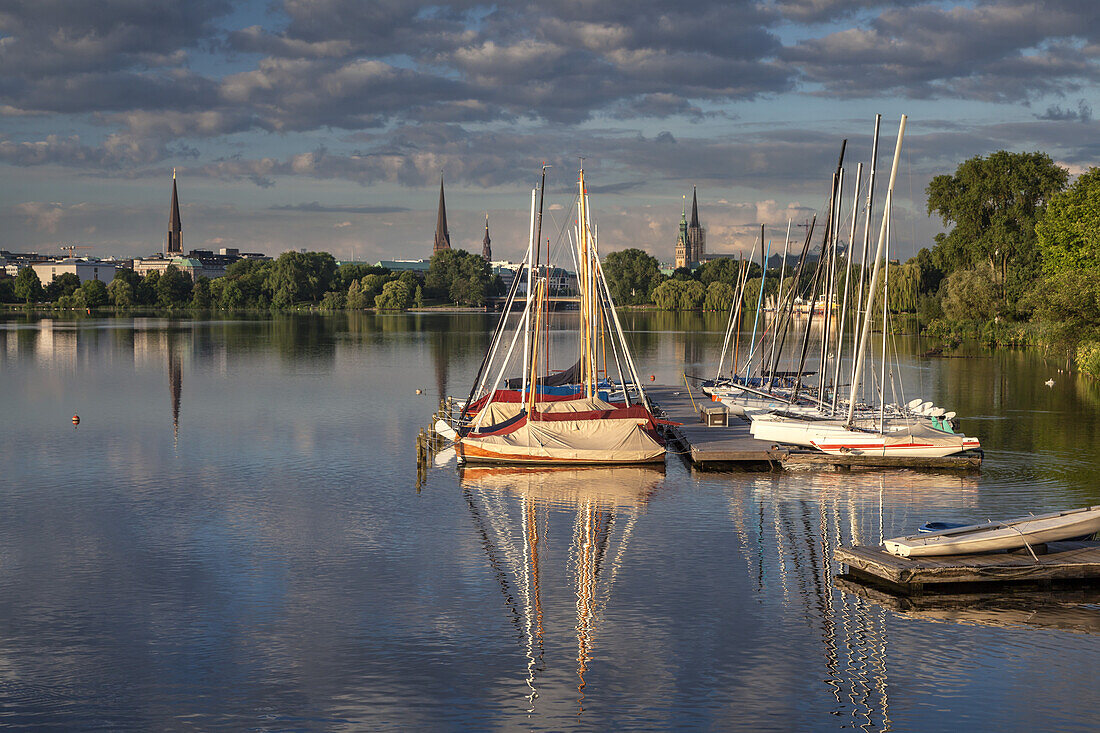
[{"x": 992, "y": 536}]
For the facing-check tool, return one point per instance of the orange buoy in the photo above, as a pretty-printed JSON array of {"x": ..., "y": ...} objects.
[{"x": 76, "y": 420}]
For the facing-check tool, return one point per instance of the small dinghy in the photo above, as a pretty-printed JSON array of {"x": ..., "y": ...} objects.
[{"x": 1007, "y": 535}]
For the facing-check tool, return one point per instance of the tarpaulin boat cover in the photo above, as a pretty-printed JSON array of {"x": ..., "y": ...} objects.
[
  {"x": 573, "y": 431},
  {"x": 572, "y": 375}
]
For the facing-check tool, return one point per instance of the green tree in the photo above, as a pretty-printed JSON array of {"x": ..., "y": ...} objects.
[
  {"x": 173, "y": 288},
  {"x": 7, "y": 290},
  {"x": 248, "y": 278},
  {"x": 719, "y": 296},
  {"x": 94, "y": 293},
  {"x": 201, "y": 297},
  {"x": 692, "y": 296},
  {"x": 356, "y": 298},
  {"x": 969, "y": 295},
  {"x": 334, "y": 300},
  {"x": 723, "y": 269},
  {"x": 472, "y": 281},
  {"x": 442, "y": 271},
  {"x": 66, "y": 283},
  {"x": 631, "y": 276},
  {"x": 667, "y": 295},
  {"x": 120, "y": 293},
  {"x": 394, "y": 296},
  {"x": 993, "y": 205},
  {"x": 372, "y": 286},
  {"x": 146, "y": 292},
  {"x": 1069, "y": 230},
  {"x": 298, "y": 276},
  {"x": 27, "y": 286},
  {"x": 1068, "y": 303}
]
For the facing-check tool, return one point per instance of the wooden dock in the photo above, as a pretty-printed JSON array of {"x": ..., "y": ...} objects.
[
  {"x": 729, "y": 444},
  {"x": 1061, "y": 564},
  {"x": 733, "y": 444}
]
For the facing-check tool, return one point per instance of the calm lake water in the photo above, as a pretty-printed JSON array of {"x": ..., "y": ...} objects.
[{"x": 236, "y": 536}]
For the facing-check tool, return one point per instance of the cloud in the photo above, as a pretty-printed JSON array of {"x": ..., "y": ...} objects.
[
  {"x": 43, "y": 215},
  {"x": 316, "y": 207},
  {"x": 1083, "y": 113}
]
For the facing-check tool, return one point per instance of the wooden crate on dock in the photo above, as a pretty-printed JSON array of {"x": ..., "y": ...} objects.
[{"x": 714, "y": 415}]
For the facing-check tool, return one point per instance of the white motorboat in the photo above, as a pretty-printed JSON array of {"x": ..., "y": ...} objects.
[{"x": 1007, "y": 535}]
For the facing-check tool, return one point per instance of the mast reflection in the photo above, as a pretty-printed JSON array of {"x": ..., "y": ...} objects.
[
  {"x": 788, "y": 537},
  {"x": 514, "y": 508}
]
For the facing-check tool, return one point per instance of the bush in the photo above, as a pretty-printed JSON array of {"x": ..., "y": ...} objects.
[{"x": 1088, "y": 358}]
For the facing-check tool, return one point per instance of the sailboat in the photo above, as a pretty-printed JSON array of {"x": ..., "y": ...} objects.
[
  {"x": 542, "y": 417},
  {"x": 813, "y": 416}
]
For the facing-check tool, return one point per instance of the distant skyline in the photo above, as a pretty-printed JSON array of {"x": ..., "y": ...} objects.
[{"x": 325, "y": 125}]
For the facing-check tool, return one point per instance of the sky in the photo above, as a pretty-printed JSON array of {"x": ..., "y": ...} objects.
[{"x": 326, "y": 124}]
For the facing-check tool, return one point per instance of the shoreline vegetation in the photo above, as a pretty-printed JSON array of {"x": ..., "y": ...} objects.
[{"x": 1019, "y": 267}]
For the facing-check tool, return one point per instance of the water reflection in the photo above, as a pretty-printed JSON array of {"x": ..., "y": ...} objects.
[
  {"x": 514, "y": 509},
  {"x": 787, "y": 528},
  {"x": 1072, "y": 611}
]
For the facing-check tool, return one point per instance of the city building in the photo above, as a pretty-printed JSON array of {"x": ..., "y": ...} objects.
[
  {"x": 442, "y": 236},
  {"x": 12, "y": 262},
  {"x": 198, "y": 262},
  {"x": 486, "y": 249},
  {"x": 691, "y": 244},
  {"x": 84, "y": 268}
]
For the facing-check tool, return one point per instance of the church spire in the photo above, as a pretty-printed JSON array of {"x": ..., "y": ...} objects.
[
  {"x": 694, "y": 208},
  {"x": 175, "y": 227},
  {"x": 442, "y": 236},
  {"x": 486, "y": 249}
]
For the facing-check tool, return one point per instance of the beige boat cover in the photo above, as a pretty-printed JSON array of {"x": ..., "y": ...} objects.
[{"x": 603, "y": 433}]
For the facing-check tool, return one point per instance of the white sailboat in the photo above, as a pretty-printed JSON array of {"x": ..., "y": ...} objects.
[
  {"x": 539, "y": 425},
  {"x": 895, "y": 432}
]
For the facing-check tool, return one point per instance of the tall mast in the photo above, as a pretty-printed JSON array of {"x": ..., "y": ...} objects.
[
  {"x": 778, "y": 300},
  {"x": 867, "y": 230},
  {"x": 535, "y": 336},
  {"x": 866, "y": 332},
  {"x": 526, "y": 313},
  {"x": 847, "y": 279}
]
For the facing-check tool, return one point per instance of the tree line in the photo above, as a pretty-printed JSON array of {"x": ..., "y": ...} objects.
[
  {"x": 292, "y": 280},
  {"x": 1019, "y": 264}
]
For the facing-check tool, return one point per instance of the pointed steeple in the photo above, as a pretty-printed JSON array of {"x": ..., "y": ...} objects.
[
  {"x": 683, "y": 220},
  {"x": 486, "y": 249},
  {"x": 694, "y": 208},
  {"x": 175, "y": 226},
  {"x": 442, "y": 236}
]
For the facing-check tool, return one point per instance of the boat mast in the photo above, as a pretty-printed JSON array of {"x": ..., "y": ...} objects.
[
  {"x": 527, "y": 311},
  {"x": 538, "y": 320},
  {"x": 817, "y": 279},
  {"x": 866, "y": 331},
  {"x": 729, "y": 323},
  {"x": 778, "y": 301},
  {"x": 866, "y": 235},
  {"x": 764, "y": 253},
  {"x": 847, "y": 280},
  {"x": 795, "y": 284}
]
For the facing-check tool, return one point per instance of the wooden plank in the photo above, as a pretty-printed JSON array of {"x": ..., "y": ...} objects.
[{"x": 1065, "y": 560}]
